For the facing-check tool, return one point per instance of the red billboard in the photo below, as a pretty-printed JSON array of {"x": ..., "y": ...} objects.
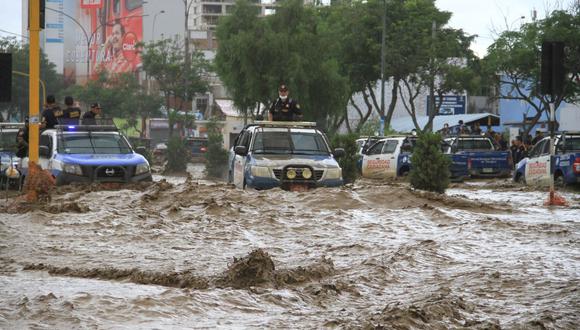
[{"x": 116, "y": 26}]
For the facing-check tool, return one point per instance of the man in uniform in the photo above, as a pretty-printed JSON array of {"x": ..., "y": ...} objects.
[
  {"x": 51, "y": 113},
  {"x": 22, "y": 140},
  {"x": 284, "y": 108},
  {"x": 71, "y": 114},
  {"x": 89, "y": 117}
]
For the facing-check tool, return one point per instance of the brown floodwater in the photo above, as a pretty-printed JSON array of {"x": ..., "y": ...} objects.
[{"x": 184, "y": 253}]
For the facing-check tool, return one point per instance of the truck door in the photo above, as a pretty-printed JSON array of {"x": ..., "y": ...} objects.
[
  {"x": 371, "y": 164},
  {"x": 45, "y": 157},
  {"x": 239, "y": 162},
  {"x": 390, "y": 156},
  {"x": 538, "y": 165}
]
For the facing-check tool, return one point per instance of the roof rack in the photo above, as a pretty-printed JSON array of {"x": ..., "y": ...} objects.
[{"x": 284, "y": 124}]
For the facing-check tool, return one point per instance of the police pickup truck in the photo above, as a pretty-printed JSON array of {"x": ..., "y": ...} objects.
[
  {"x": 89, "y": 153},
  {"x": 283, "y": 154},
  {"x": 391, "y": 157},
  {"x": 535, "y": 169},
  {"x": 483, "y": 160}
]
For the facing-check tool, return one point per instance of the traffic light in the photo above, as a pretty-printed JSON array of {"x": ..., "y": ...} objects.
[
  {"x": 552, "y": 72},
  {"x": 5, "y": 77},
  {"x": 42, "y": 13}
]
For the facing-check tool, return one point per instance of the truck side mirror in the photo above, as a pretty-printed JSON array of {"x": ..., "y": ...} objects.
[
  {"x": 338, "y": 152},
  {"x": 241, "y": 150}
]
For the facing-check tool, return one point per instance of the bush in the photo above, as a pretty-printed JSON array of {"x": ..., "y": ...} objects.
[
  {"x": 348, "y": 162},
  {"x": 177, "y": 155},
  {"x": 430, "y": 170},
  {"x": 216, "y": 155}
]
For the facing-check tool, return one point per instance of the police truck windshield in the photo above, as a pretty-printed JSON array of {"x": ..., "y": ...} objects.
[
  {"x": 474, "y": 144},
  {"x": 290, "y": 143},
  {"x": 93, "y": 143}
]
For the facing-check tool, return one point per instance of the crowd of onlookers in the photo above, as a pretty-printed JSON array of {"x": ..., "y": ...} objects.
[{"x": 520, "y": 147}]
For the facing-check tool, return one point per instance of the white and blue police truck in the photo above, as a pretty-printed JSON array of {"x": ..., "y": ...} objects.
[
  {"x": 538, "y": 167},
  {"x": 89, "y": 153},
  {"x": 283, "y": 154}
]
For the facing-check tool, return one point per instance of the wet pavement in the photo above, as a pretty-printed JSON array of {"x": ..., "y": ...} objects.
[{"x": 185, "y": 253}]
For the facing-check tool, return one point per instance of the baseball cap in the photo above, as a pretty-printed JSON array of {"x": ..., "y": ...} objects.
[
  {"x": 95, "y": 105},
  {"x": 283, "y": 88}
]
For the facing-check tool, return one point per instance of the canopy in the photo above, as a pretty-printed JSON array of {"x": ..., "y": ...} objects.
[{"x": 405, "y": 124}]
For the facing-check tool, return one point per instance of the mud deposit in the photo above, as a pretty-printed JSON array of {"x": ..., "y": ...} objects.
[{"x": 184, "y": 253}]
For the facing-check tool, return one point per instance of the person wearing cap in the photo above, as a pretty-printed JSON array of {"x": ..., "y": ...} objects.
[
  {"x": 284, "y": 108},
  {"x": 72, "y": 113},
  {"x": 89, "y": 117},
  {"x": 51, "y": 113}
]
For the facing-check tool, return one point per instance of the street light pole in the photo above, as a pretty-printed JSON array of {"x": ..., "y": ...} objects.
[
  {"x": 382, "y": 122},
  {"x": 153, "y": 27}
]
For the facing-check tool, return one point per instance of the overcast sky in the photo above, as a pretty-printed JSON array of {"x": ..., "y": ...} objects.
[{"x": 476, "y": 17}]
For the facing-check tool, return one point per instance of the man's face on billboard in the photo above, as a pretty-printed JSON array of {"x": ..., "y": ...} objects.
[{"x": 117, "y": 35}]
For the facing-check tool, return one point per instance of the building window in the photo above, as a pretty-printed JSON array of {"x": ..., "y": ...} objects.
[
  {"x": 212, "y": 9},
  {"x": 201, "y": 104}
]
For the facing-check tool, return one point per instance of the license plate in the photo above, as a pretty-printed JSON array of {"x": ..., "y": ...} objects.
[{"x": 488, "y": 170}]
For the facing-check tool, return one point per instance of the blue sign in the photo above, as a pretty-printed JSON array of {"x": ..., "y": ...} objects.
[{"x": 452, "y": 105}]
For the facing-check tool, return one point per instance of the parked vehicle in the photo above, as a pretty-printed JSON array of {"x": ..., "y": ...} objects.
[
  {"x": 283, "y": 154},
  {"x": 9, "y": 162},
  {"x": 535, "y": 169},
  {"x": 482, "y": 157},
  {"x": 95, "y": 153},
  {"x": 391, "y": 157},
  {"x": 197, "y": 146}
]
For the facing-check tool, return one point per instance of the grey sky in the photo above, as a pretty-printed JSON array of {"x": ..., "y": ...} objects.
[{"x": 480, "y": 17}]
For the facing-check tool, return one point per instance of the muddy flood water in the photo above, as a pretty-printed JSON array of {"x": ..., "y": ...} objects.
[{"x": 184, "y": 253}]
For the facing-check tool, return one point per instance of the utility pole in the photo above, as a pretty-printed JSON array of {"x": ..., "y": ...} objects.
[
  {"x": 431, "y": 109},
  {"x": 382, "y": 112},
  {"x": 33, "y": 79}
]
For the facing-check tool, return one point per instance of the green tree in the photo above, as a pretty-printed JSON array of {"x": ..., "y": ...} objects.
[
  {"x": 348, "y": 162},
  {"x": 256, "y": 54},
  {"x": 20, "y": 63},
  {"x": 177, "y": 155},
  {"x": 430, "y": 166},
  {"x": 164, "y": 60},
  {"x": 216, "y": 155},
  {"x": 514, "y": 60}
]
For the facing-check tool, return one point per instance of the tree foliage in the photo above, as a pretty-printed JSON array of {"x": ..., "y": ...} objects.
[
  {"x": 256, "y": 54},
  {"x": 430, "y": 169},
  {"x": 20, "y": 62},
  {"x": 216, "y": 155},
  {"x": 165, "y": 61}
]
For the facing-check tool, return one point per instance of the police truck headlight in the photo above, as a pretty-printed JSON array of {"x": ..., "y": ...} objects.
[
  {"x": 260, "y": 171},
  {"x": 142, "y": 168},
  {"x": 334, "y": 173},
  {"x": 291, "y": 174},
  {"x": 306, "y": 173},
  {"x": 72, "y": 169}
]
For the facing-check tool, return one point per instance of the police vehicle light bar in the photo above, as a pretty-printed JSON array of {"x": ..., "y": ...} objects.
[{"x": 86, "y": 128}]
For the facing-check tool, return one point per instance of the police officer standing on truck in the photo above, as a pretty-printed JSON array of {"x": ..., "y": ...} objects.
[
  {"x": 51, "y": 113},
  {"x": 72, "y": 113},
  {"x": 89, "y": 117},
  {"x": 284, "y": 108}
]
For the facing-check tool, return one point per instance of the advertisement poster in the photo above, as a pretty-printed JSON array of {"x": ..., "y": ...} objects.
[{"x": 102, "y": 37}]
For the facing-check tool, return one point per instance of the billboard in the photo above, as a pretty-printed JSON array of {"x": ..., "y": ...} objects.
[{"x": 100, "y": 35}]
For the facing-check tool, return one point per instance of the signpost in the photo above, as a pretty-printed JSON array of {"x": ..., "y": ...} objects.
[{"x": 451, "y": 105}]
